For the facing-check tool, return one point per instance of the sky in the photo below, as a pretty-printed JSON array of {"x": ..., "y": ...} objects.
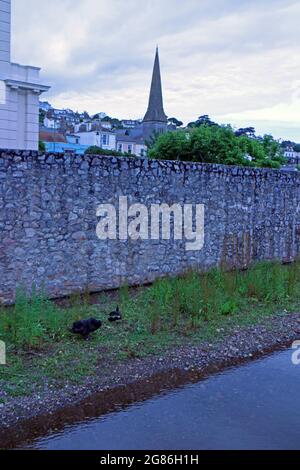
[{"x": 235, "y": 60}]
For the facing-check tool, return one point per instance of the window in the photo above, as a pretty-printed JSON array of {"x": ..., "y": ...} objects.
[
  {"x": 105, "y": 139},
  {"x": 129, "y": 148},
  {"x": 120, "y": 148}
]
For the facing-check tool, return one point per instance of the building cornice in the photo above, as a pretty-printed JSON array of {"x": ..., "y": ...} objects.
[{"x": 19, "y": 84}]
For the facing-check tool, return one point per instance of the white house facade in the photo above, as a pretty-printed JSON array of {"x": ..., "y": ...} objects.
[
  {"x": 20, "y": 89},
  {"x": 104, "y": 139},
  {"x": 290, "y": 153},
  {"x": 131, "y": 146},
  {"x": 51, "y": 123}
]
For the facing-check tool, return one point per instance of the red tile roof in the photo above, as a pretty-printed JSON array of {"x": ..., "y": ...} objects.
[{"x": 52, "y": 137}]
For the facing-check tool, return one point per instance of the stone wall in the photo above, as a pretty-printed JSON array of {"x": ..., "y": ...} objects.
[{"x": 48, "y": 219}]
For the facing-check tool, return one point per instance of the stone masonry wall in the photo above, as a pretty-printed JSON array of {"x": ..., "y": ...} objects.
[{"x": 48, "y": 219}]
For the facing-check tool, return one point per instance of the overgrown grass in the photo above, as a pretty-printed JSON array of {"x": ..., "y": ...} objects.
[
  {"x": 34, "y": 320},
  {"x": 191, "y": 307},
  {"x": 168, "y": 305}
]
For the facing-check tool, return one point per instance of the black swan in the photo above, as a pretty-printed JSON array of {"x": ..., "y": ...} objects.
[
  {"x": 86, "y": 327},
  {"x": 115, "y": 316}
]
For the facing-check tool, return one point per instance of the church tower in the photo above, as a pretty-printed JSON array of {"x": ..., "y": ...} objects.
[{"x": 155, "y": 120}]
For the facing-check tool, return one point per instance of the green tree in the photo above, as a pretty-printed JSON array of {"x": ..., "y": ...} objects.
[
  {"x": 248, "y": 131},
  {"x": 297, "y": 148},
  {"x": 272, "y": 148},
  {"x": 216, "y": 144},
  {"x": 287, "y": 143},
  {"x": 202, "y": 121},
  {"x": 175, "y": 121}
]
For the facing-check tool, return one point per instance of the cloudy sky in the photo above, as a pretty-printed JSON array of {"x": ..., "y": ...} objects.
[{"x": 236, "y": 60}]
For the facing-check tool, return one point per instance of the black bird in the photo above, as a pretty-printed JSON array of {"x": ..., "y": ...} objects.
[
  {"x": 86, "y": 327},
  {"x": 115, "y": 316}
]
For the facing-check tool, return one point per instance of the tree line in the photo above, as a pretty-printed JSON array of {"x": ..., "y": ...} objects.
[{"x": 208, "y": 142}]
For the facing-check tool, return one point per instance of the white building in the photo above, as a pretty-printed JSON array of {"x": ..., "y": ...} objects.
[
  {"x": 19, "y": 93},
  {"x": 91, "y": 125},
  {"x": 101, "y": 138},
  {"x": 127, "y": 144},
  {"x": 130, "y": 123},
  {"x": 51, "y": 123},
  {"x": 290, "y": 153},
  {"x": 131, "y": 142}
]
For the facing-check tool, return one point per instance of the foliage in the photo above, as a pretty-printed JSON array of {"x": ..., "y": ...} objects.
[
  {"x": 94, "y": 150},
  {"x": 289, "y": 144},
  {"x": 32, "y": 321},
  {"x": 297, "y": 147},
  {"x": 202, "y": 121},
  {"x": 42, "y": 146},
  {"x": 172, "y": 312},
  {"x": 210, "y": 143},
  {"x": 169, "y": 304},
  {"x": 175, "y": 122},
  {"x": 195, "y": 298},
  {"x": 247, "y": 131}
]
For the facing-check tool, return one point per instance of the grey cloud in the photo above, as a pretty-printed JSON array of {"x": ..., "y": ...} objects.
[{"x": 217, "y": 56}]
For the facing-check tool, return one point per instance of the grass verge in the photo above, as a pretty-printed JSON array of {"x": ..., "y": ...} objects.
[{"x": 189, "y": 309}]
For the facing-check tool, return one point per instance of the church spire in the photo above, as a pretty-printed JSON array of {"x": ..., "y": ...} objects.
[{"x": 155, "y": 112}]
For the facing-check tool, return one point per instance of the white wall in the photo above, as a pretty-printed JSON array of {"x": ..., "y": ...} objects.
[
  {"x": 89, "y": 138},
  {"x": 51, "y": 123},
  {"x": 7, "y": 129},
  {"x": 139, "y": 150},
  {"x": 291, "y": 154},
  {"x": 95, "y": 138},
  {"x": 5, "y": 14},
  {"x": 19, "y": 94}
]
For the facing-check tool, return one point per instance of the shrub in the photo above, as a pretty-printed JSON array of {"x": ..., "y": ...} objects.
[
  {"x": 42, "y": 146},
  {"x": 94, "y": 150}
]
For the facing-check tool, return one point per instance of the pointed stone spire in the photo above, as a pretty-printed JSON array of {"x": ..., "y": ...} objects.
[{"x": 155, "y": 112}]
